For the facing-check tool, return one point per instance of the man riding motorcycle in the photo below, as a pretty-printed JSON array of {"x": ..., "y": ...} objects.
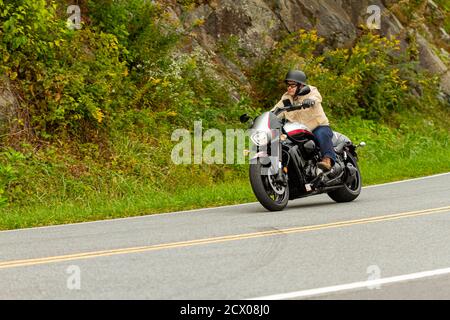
[{"x": 314, "y": 117}]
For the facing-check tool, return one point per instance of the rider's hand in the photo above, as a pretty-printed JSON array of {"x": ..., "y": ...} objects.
[{"x": 308, "y": 103}]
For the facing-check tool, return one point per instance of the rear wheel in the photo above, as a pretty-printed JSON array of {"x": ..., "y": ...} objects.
[
  {"x": 269, "y": 192},
  {"x": 351, "y": 190}
]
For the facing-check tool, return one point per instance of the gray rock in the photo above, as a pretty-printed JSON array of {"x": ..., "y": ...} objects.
[
  {"x": 428, "y": 59},
  {"x": 257, "y": 25},
  {"x": 8, "y": 105},
  {"x": 444, "y": 35},
  {"x": 445, "y": 84}
]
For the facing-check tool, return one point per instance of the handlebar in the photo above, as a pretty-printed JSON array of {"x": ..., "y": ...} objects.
[{"x": 292, "y": 108}]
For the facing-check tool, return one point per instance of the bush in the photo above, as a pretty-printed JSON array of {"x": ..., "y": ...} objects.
[
  {"x": 69, "y": 79},
  {"x": 370, "y": 80},
  {"x": 102, "y": 102}
]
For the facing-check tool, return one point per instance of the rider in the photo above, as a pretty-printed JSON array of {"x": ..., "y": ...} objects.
[{"x": 313, "y": 117}]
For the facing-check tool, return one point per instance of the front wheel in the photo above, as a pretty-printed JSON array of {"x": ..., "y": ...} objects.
[
  {"x": 270, "y": 193},
  {"x": 351, "y": 190}
]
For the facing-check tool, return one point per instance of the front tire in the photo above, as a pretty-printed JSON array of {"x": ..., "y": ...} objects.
[
  {"x": 350, "y": 191},
  {"x": 263, "y": 190}
]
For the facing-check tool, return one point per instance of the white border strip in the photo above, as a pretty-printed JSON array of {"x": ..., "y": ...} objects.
[
  {"x": 355, "y": 285},
  {"x": 157, "y": 214}
]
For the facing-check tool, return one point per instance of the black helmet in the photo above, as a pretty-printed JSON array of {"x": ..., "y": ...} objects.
[{"x": 297, "y": 76}]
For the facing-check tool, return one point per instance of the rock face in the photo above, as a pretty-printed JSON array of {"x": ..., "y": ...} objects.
[
  {"x": 259, "y": 24},
  {"x": 253, "y": 22},
  {"x": 430, "y": 61},
  {"x": 8, "y": 105},
  {"x": 336, "y": 25}
]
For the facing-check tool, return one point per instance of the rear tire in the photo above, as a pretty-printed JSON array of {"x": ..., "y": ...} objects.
[
  {"x": 351, "y": 191},
  {"x": 261, "y": 188}
]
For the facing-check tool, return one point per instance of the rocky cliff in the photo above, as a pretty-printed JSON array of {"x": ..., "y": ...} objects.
[
  {"x": 258, "y": 24},
  {"x": 253, "y": 27}
]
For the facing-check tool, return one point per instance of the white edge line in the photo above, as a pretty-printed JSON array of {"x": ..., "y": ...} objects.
[
  {"x": 355, "y": 285},
  {"x": 154, "y": 214},
  {"x": 406, "y": 180},
  {"x": 158, "y": 214}
]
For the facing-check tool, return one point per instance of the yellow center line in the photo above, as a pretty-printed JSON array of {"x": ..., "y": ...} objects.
[{"x": 104, "y": 253}]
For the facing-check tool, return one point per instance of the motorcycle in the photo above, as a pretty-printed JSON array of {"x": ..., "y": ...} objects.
[{"x": 284, "y": 165}]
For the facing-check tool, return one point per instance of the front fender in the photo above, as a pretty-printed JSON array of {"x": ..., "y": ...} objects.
[{"x": 260, "y": 154}]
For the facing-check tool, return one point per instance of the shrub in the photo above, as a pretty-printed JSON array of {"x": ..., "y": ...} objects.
[
  {"x": 370, "y": 80},
  {"x": 69, "y": 79}
]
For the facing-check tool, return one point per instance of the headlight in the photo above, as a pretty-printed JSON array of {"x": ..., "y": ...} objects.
[{"x": 260, "y": 138}]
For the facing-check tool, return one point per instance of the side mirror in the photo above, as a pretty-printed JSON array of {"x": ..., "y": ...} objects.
[
  {"x": 244, "y": 118},
  {"x": 304, "y": 91}
]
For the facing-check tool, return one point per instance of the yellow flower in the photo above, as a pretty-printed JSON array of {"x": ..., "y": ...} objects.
[
  {"x": 403, "y": 85},
  {"x": 13, "y": 75},
  {"x": 199, "y": 22},
  {"x": 99, "y": 115}
]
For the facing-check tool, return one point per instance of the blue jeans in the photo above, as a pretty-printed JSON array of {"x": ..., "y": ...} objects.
[{"x": 324, "y": 135}]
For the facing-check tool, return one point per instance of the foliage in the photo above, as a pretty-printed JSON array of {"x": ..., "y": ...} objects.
[
  {"x": 69, "y": 79},
  {"x": 370, "y": 80},
  {"x": 142, "y": 28},
  {"x": 100, "y": 103}
]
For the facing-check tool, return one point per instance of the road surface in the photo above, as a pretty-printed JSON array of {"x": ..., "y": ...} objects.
[{"x": 376, "y": 247}]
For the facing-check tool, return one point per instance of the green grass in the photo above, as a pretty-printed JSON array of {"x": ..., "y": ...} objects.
[
  {"x": 413, "y": 144},
  {"x": 148, "y": 201},
  {"x": 108, "y": 155},
  {"x": 400, "y": 169},
  {"x": 444, "y": 4}
]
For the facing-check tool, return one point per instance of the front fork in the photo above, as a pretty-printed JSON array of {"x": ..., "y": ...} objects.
[{"x": 276, "y": 168}]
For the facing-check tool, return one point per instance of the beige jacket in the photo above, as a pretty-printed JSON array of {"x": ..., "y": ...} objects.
[{"x": 310, "y": 117}]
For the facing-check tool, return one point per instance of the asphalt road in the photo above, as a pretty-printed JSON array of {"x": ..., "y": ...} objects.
[{"x": 314, "y": 249}]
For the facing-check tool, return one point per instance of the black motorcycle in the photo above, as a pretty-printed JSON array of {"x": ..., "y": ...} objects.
[{"x": 284, "y": 162}]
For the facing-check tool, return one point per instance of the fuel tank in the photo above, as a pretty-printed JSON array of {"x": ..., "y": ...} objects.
[{"x": 297, "y": 131}]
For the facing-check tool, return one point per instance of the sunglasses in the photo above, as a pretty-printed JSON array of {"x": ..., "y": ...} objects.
[{"x": 292, "y": 85}]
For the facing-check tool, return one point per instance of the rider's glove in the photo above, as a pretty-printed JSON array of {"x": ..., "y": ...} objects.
[{"x": 308, "y": 103}]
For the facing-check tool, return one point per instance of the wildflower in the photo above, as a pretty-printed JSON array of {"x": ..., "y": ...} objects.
[{"x": 99, "y": 115}]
